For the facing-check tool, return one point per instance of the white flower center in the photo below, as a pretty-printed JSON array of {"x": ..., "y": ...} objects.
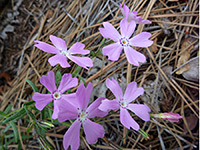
[
  {"x": 124, "y": 42},
  {"x": 65, "y": 52},
  {"x": 123, "y": 104},
  {"x": 83, "y": 115},
  {"x": 57, "y": 95}
]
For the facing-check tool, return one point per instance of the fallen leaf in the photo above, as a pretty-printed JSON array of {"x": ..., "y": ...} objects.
[
  {"x": 184, "y": 57},
  {"x": 193, "y": 73},
  {"x": 6, "y": 76},
  {"x": 154, "y": 48},
  {"x": 192, "y": 121},
  {"x": 167, "y": 70}
]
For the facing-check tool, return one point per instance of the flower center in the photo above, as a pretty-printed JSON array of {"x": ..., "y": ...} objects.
[
  {"x": 56, "y": 95},
  {"x": 65, "y": 52},
  {"x": 123, "y": 104},
  {"x": 124, "y": 41},
  {"x": 82, "y": 116}
]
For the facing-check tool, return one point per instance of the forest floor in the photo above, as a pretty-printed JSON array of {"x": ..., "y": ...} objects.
[{"x": 170, "y": 76}]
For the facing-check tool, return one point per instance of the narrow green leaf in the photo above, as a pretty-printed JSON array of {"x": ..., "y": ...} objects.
[
  {"x": 126, "y": 135},
  {"x": 39, "y": 129},
  {"x": 9, "y": 135},
  {"x": 76, "y": 71},
  {"x": 30, "y": 127},
  {"x": 81, "y": 79},
  {"x": 35, "y": 89},
  {"x": 2, "y": 114},
  {"x": 19, "y": 146},
  {"x": 7, "y": 128},
  {"x": 30, "y": 114},
  {"x": 44, "y": 143},
  {"x": 20, "y": 114},
  {"x": 14, "y": 127},
  {"x": 92, "y": 53},
  {"x": 99, "y": 51},
  {"x": 46, "y": 124},
  {"x": 29, "y": 103},
  {"x": 8, "y": 108},
  {"x": 58, "y": 77}
]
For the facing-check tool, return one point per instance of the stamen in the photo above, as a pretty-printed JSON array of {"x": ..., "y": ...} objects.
[
  {"x": 124, "y": 42},
  {"x": 123, "y": 104},
  {"x": 65, "y": 52},
  {"x": 83, "y": 116},
  {"x": 57, "y": 95}
]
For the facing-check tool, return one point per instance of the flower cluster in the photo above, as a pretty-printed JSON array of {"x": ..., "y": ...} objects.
[{"x": 75, "y": 106}]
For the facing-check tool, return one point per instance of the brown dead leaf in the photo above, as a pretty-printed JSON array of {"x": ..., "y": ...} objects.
[
  {"x": 184, "y": 56},
  {"x": 6, "y": 76},
  {"x": 154, "y": 47},
  {"x": 192, "y": 121}
]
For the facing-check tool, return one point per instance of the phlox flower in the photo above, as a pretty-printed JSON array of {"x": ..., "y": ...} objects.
[
  {"x": 81, "y": 113},
  {"x": 132, "y": 15},
  {"x": 62, "y": 53},
  {"x": 124, "y": 41},
  {"x": 57, "y": 95},
  {"x": 172, "y": 117},
  {"x": 124, "y": 103}
]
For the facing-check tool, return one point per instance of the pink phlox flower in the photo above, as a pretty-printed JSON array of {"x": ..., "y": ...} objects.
[
  {"x": 172, "y": 117},
  {"x": 62, "y": 53},
  {"x": 132, "y": 15},
  {"x": 124, "y": 103},
  {"x": 57, "y": 95},
  {"x": 124, "y": 41},
  {"x": 81, "y": 112}
]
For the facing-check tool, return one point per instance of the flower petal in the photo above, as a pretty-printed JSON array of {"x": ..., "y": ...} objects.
[
  {"x": 83, "y": 95},
  {"x": 94, "y": 111},
  {"x": 107, "y": 105},
  {"x": 132, "y": 92},
  {"x": 58, "y": 42},
  {"x": 72, "y": 136},
  {"x": 113, "y": 51},
  {"x": 141, "y": 21},
  {"x": 41, "y": 100},
  {"x": 67, "y": 82},
  {"x": 93, "y": 131},
  {"x": 134, "y": 13},
  {"x": 124, "y": 10},
  {"x": 78, "y": 48},
  {"x": 140, "y": 110},
  {"x": 127, "y": 120},
  {"x": 66, "y": 111},
  {"x": 56, "y": 109},
  {"x": 109, "y": 31},
  {"x": 141, "y": 40},
  {"x": 127, "y": 28},
  {"x": 46, "y": 47},
  {"x": 71, "y": 98},
  {"x": 49, "y": 81},
  {"x": 58, "y": 59},
  {"x": 82, "y": 61},
  {"x": 133, "y": 56},
  {"x": 114, "y": 87}
]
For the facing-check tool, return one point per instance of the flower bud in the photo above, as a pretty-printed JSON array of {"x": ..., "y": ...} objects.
[{"x": 172, "y": 117}]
